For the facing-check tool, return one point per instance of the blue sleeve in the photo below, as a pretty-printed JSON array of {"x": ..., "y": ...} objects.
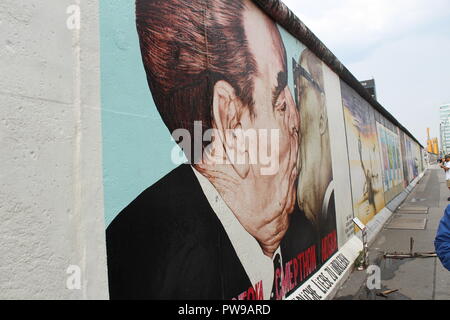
[{"x": 442, "y": 241}]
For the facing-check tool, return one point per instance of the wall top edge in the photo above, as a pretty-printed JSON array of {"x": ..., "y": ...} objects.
[{"x": 281, "y": 14}]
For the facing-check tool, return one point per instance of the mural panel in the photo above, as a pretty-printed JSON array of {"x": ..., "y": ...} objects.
[
  {"x": 217, "y": 164},
  {"x": 391, "y": 159},
  {"x": 243, "y": 207},
  {"x": 406, "y": 173},
  {"x": 364, "y": 155}
]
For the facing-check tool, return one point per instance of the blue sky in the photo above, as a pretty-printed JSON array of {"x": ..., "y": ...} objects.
[{"x": 403, "y": 44}]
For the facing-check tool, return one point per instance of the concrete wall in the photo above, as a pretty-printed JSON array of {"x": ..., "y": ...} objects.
[
  {"x": 51, "y": 193},
  {"x": 136, "y": 142},
  {"x": 51, "y": 151}
]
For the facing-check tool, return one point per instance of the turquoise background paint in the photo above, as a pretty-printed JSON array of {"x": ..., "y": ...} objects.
[
  {"x": 137, "y": 146},
  {"x": 294, "y": 48}
]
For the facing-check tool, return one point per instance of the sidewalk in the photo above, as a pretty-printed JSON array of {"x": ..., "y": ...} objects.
[{"x": 415, "y": 279}]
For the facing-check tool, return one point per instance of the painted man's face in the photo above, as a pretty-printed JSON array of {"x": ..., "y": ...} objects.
[
  {"x": 274, "y": 105},
  {"x": 310, "y": 153}
]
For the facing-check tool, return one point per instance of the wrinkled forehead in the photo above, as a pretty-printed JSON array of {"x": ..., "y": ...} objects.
[{"x": 264, "y": 39}]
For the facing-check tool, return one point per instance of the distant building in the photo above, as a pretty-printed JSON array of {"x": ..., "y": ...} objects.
[
  {"x": 432, "y": 144},
  {"x": 444, "y": 111},
  {"x": 369, "y": 85}
]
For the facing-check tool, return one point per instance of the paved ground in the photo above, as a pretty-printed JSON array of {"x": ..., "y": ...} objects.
[{"x": 415, "y": 279}]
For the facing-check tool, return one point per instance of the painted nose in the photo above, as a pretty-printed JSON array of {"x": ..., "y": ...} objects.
[{"x": 294, "y": 119}]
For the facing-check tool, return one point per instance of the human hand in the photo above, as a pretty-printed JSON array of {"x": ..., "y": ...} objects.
[{"x": 262, "y": 204}]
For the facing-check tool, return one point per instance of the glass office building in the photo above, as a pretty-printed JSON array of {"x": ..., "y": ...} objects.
[{"x": 445, "y": 128}]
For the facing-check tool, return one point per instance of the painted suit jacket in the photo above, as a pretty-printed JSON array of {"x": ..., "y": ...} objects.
[{"x": 169, "y": 244}]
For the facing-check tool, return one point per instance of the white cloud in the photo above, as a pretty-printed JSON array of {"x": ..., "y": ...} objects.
[
  {"x": 412, "y": 77},
  {"x": 348, "y": 24},
  {"x": 403, "y": 44}
]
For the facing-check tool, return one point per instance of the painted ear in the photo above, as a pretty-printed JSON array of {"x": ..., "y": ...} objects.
[
  {"x": 323, "y": 122},
  {"x": 226, "y": 108}
]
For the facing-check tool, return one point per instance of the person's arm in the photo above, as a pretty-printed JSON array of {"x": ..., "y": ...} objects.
[{"x": 442, "y": 241}]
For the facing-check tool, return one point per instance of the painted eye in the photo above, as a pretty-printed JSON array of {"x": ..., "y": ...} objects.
[{"x": 283, "y": 107}]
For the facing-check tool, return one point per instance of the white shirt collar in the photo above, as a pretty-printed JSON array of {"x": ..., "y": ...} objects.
[{"x": 258, "y": 266}]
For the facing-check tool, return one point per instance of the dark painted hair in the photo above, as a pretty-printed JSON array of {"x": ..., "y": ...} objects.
[{"x": 189, "y": 45}]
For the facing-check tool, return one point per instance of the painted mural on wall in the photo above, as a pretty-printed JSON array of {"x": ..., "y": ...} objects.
[
  {"x": 315, "y": 191},
  {"x": 364, "y": 155},
  {"x": 420, "y": 159},
  {"x": 218, "y": 172},
  {"x": 389, "y": 142},
  {"x": 250, "y": 211},
  {"x": 412, "y": 159},
  {"x": 406, "y": 179}
]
